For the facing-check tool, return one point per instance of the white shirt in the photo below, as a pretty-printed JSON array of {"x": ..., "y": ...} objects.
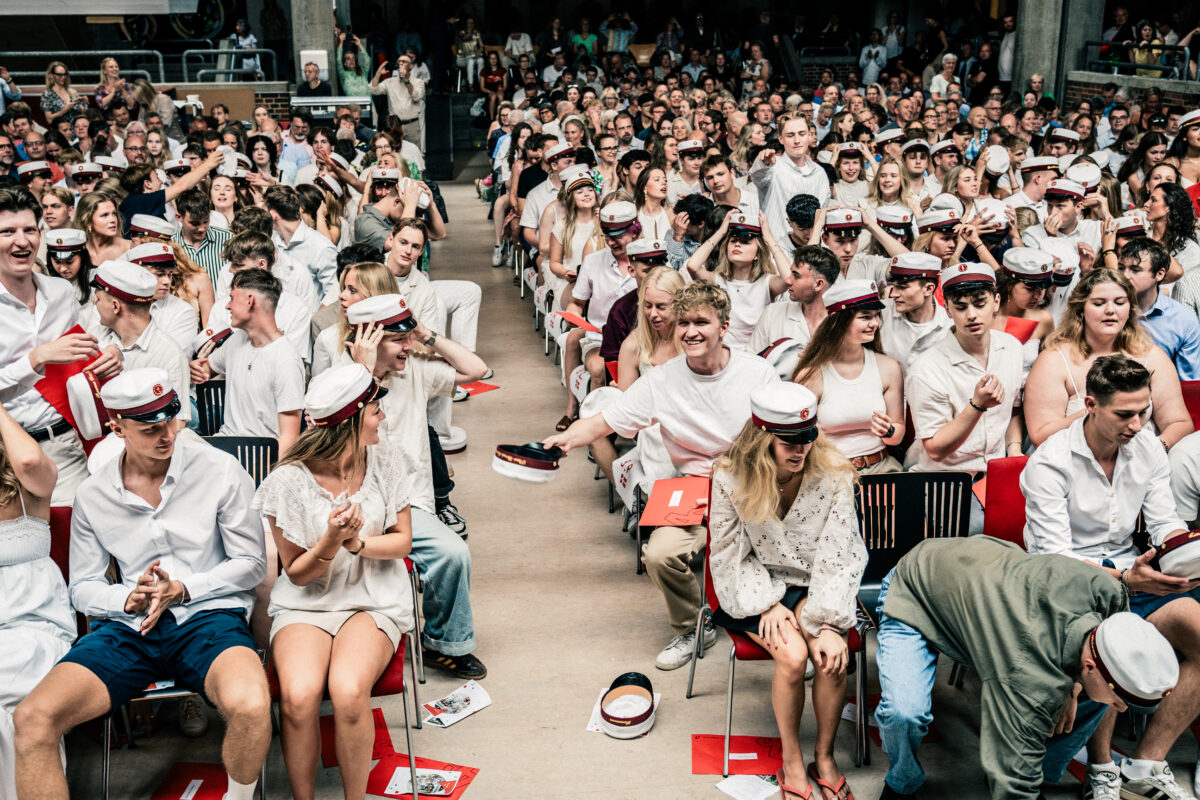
[
  {"x": 904, "y": 340},
  {"x": 295, "y": 279},
  {"x": 204, "y": 532},
  {"x": 176, "y": 318},
  {"x": 781, "y": 181},
  {"x": 1021, "y": 200},
  {"x": 411, "y": 152},
  {"x": 292, "y": 317},
  {"x": 536, "y": 201},
  {"x": 780, "y": 320},
  {"x": 699, "y": 416},
  {"x": 418, "y": 292},
  {"x": 939, "y": 386},
  {"x": 406, "y": 419},
  {"x": 1185, "y": 476},
  {"x": 600, "y": 281},
  {"x": 1086, "y": 230},
  {"x": 1071, "y": 509},
  {"x": 260, "y": 384},
  {"x": 1008, "y": 51},
  {"x": 314, "y": 251},
  {"x": 153, "y": 349},
  {"x": 748, "y": 202},
  {"x": 55, "y": 311},
  {"x": 677, "y": 187}
]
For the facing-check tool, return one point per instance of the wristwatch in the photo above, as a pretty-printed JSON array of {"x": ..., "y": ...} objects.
[{"x": 430, "y": 341}]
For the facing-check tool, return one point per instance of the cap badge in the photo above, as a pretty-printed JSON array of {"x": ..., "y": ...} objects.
[
  {"x": 848, "y": 217},
  {"x": 158, "y": 389},
  {"x": 804, "y": 413},
  {"x": 962, "y": 267}
]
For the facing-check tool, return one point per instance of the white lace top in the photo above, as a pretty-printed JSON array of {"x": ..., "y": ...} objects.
[
  {"x": 301, "y": 508},
  {"x": 817, "y": 545}
]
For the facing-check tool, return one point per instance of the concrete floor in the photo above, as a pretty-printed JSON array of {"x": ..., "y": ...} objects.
[{"x": 559, "y": 613}]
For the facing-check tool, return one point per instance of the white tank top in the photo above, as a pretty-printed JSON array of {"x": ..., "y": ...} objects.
[
  {"x": 846, "y": 405},
  {"x": 748, "y": 300}
]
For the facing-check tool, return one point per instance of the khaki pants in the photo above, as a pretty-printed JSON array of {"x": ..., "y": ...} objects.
[
  {"x": 668, "y": 557},
  {"x": 66, "y": 451},
  {"x": 888, "y": 464}
]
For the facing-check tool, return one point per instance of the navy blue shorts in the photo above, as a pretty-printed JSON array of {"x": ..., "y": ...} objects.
[
  {"x": 128, "y": 662},
  {"x": 1144, "y": 604}
]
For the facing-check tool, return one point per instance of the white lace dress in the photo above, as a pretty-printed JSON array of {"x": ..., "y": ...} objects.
[
  {"x": 301, "y": 508},
  {"x": 817, "y": 545},
  {"x": 36, "y": 624}
]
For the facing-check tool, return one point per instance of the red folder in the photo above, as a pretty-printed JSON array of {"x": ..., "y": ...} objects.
[
  {"x": 578, "y": 321},
  {"x": 53, "y": 387},
  {"x": 677, "y": 501},
  {"x": 1020, "y": 327}
]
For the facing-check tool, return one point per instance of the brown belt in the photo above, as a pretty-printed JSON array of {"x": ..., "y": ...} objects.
[{"x": 862, "y": 462}]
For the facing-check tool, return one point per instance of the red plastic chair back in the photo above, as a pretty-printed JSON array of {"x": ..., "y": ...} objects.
[
  {"x": 60, "y": 539},
  {"x": 1191, "y": 399},
  {"x": 1004, "y": 510}
]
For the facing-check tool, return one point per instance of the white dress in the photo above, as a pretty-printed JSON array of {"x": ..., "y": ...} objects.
[
  {"x": 36, "y": 624},
  {"x": 657, "y": 226},
  {"x": 301, "y": 508},
  {"x": 748, "y": 300}
]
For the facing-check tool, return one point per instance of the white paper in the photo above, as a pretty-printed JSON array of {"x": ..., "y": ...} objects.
[
  {"x": 593, "y": 725},
  {"x": 749, "y": 787},
  {"x": 434, "y": 782},
  {"x": 676, "y": 498},
  {"x": 192, "y": 788},
  {"x": 850, "y": 709},
  {"x": 743, "y": 756},
  {"x": 458, "y": 705}
]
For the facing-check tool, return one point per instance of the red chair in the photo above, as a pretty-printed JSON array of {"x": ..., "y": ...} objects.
[
  {"x": 1004, "y": 506},
  {"x": 746, "y": 649},
  {"x": 1191, "y": 399}
]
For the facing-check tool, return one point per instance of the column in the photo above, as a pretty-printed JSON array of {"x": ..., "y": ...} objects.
[
  {"x": 1050, "y": 39},
  {"x": 312, "y": 29}
]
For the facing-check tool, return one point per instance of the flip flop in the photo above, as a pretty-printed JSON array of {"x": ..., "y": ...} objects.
[
  {"x": 785, "y": 790},
  {"x": 563, "y": 423},
  {"x": 840, "y": 792}
]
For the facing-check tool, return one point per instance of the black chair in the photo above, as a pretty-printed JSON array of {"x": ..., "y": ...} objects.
[
  {"x": 256, "y": 454},
  {"x": 210, "y": 400}
]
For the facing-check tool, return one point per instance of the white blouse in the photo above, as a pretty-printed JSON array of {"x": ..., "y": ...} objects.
[
  {"x": 301, "y": 508},
  {"x": 817, "y": 545}
]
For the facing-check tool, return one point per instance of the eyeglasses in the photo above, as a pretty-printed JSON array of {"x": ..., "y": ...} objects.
[
  {"x": 607, "y": 149},
  {"x": 59, "y": 74},
  {"x": 135, "y": 149},
  {"x": 6, "y": 147}
]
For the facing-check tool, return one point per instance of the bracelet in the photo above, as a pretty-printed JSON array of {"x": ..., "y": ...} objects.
[
  {"x": 829, "y": 628},
  {"x": 891, "y": 431},
  {"x": 1112, "y": 250},
  {"x": 431, "y": 340},
  {"x": 362, "y": 543},
  {"x": 971, "y": 402},
  {"x": 322, "y": 560},
  {"x": 1125, "y": 579},
  {"x": 1163, "y": 442}
]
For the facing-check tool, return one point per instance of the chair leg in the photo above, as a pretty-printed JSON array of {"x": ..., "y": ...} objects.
[
  {"x": 419, "y": 657},
  {"x": 106, "y": 755},
  {"x": 729, "y": 710},
  {"x": 860, "y": 716},
  {"x": 262, "y": 782},
  {"x": 697, "y": 650},
  {"x": 612, "y": 499},
  {"x": 412, "y": 664},
  {"x": 412, "y": 757}
]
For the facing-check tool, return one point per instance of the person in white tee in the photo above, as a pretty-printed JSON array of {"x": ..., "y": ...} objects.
[
  {"x": 252, "y": 250},
  {"x": 701, "y": 401},
  {"x": 1064, "y": 219},
  {"x": 813, "y": 271},
  {"x": 264, "y": 376},
  {"x": 913, "y": 319},
  {"x": 720, "y": 179},
  {"x": 779, "y": 178}
]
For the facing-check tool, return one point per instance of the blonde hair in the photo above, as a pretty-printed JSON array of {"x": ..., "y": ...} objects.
[
  {"x": 644, "y": 336},
  {"x": 569, "y": 221},
  {"x": 764, "y": 263},
  {"x": 326, "y": 443},
  {"x": 10, "y": 485},
  {"x": 751, "y": 467},
  {"x": 74, "y": 95},
  {"x": 874, "y": 194},
  {"x": 1132, "y": 338},
  {"x": 701, "y": 294},
  {"x": 104, "y": 63},
  {"x": 373, "y": 279}
]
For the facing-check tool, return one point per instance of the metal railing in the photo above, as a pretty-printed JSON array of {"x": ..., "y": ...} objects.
[
  {"x": 49, "y": 55},
  {"x": 323, "y": 108},
  {"x": 39, "y": 74},
  {"x": 217, "y": 53},
  {"x": 258, "y": 73},
  {"x": 1172, "y": 61}
]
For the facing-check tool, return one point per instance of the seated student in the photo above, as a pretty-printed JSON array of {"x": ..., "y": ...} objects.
[
  {"x": 644, "y": 255},
  {"x": 743, "y": 258},
  {"x": 1172, "y": 325},
  {"x": 962, "y": 391},
  {"x": 290, "y": 274},
  {"x": 652, "y": 342},
  {"x": 37, "y": 625},
  {"x": 720, "y": 178},
  {"x": 1098, "y": 321},
  {"x": 145, "y": 192},
  {"x": 329, "y": 315},
  {"x": 302, "y": 244},
  {"x": 860, "y": 391},
  {"x": 358, "y": 282},
  {"x": 175, "y": 516},
  {"x": 1064, "y": 218},
  {"x": 813, "y": 271},
  {"x": 570, "y": 234},
  {"x": 786, "y": 560},
  {"x": 385, "y": 332},
  {"x": 256, "y": 250},
  {"x": 700, "y": 402},
  {"x": 687, "y": 228},
  {"x": 251, "y": 250},
  {"x": 1084, "y": 488},
  {"x": 912, "y": 320},
  {"x": 1023, "y": 283},
  {"x": 604, "y": 277},
  {"x": 557, "y": 157},
  {"x": 838, "y": 229},
  {"x": 338, "y": 507},
  {"x": 122, "y": 294},
  {"x": 1051, "y": 638},
  {"x": 258, "y": 402}
]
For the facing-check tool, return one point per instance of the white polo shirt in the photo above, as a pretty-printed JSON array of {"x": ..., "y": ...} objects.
[
  {"x": 56, "y": 311},
  {"x": 153, "y": 349},
  {"x": 311, "y": 249},
  {"x": 601, "y": 283},
  {"x": 1086, "y": 230},
  {"x": 177, "y": 319},
  {"x": 677, "y": 187},
  {"x": 260, "y": 384},
  {"x": 1072, "y": 509},
  {"x": 1022, "y": 200},
  {"x": 941, "y": 383},
  {"x": 406, "y": 421},
  {"x": 904, "y": 340},
  {"x": 780, "y": 320},
  {"x": 699, "y": 416}
]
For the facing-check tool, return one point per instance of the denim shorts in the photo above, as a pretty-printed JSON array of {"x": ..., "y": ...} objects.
[
  {"x": 1144, "y": 604},
  {"x": 128, "y": 662}
]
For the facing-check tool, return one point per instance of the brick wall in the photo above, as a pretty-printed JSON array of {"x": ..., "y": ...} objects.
[
  {"x": 1082, "y": 85},
  {"x": 811, "y": 68},
  {"x": 277, "y": 102}
]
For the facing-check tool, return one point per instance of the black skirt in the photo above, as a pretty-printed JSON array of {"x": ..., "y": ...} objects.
[{"x": 791, "y": 598}]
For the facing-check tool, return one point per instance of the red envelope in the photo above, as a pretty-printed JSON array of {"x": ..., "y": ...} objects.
[
  {"x": 674, "y": 502},
  {"x": 193, "y": 781},
  {"x": 578, "y": 321},
  {"x": 748, "y": 755},
  {"x": 478, "y": 387},
  {"x": 381, "y": 775},
  {"x": 1020, "y": 327},
  {"x": 383, "y": 739}
]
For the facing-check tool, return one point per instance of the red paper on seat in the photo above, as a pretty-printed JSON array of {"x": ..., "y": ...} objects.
[
  {"x": 748, "y": 755},
  {"x": 381, "y": 775},
  {"x": 478, "y": 387},
  {"x": 1020, "y": 327},
  {"x": 979, "y": 489},
  {"x": 677, "y": 501},
  {"x": 193, "y": 781},
  {"x": 578, "y": 321},
  {"x": 383, "y": 739}
]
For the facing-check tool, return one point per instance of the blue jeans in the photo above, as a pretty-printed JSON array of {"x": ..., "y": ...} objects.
[
  {"x": 445, "y": 566},
  {"x": 907, "y": 665}
]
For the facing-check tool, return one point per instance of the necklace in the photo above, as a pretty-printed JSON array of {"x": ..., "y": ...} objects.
[{"x": 783, "y": 484}]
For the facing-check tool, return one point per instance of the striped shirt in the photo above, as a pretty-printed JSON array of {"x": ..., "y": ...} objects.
[{"x": 208, "y": 254}]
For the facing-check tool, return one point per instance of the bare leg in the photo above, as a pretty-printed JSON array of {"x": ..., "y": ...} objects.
[
  {"x": 69, "y": 695},
  {"x": 237, "y": 686},
  {"x": 596, "y": 369},
  {"x": 829, "y": 697},
  {"x": 1179, "y": 622},
  {"x": 605, "y": 454},
  {"x": 1099, "y": 747},
  {"x": 361, "y": 652},
  {"x": 301, "y": 654},
  {"x": 787, "y": 699},
  {"x": 499, "y": 212}
]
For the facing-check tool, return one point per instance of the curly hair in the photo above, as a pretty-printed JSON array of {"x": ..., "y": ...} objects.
[
  {"x": 701, "y": 294},
  {"x": 1072, "y": 331},
  {"x": 1181, "y": 217}
]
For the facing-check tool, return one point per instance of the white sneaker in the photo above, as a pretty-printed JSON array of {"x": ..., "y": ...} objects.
[
  {"x": 1158, "y": 785},
  {"x": 498, "y": 255},
  {"x": 678, "y": 651},
  {"x": 1196, "y": 777},
  {"x": 1102, "y": 783}
]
